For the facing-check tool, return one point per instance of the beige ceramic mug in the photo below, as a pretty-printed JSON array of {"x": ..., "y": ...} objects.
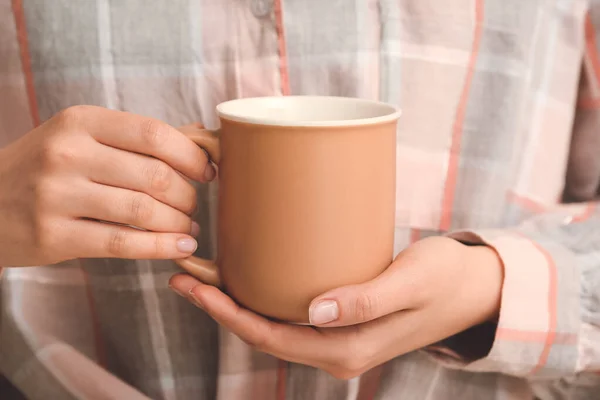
[{"x": 306, "y": 199}]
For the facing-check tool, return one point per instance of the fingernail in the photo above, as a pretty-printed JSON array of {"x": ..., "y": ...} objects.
[
  {"x": 177, "y": 291},
  {"x": 323, "y": 312},
  {"x": 195, "y": 231},
  {"x": 186, "y": 245},
  {"x": 209, "y": 172},
  {"x": 195, "y": 300}
]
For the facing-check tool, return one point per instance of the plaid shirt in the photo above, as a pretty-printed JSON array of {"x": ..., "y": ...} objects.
[{"x": 496, "y": 94}]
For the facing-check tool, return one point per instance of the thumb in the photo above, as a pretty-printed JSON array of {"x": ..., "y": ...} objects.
[{"x": 355, "y": 304}]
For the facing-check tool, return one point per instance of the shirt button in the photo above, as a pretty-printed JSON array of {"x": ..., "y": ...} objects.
[{"x": 261, "y": 8}]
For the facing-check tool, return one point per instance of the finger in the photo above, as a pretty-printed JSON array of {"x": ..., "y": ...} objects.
[
  {"x": 289, "y": 342},
  {"x": 119, "y": 168},
  {"x": 195, "y": 130},
  {"x": 148, "y": 136},
  {"x": 93, "y": 239},
  {"x": 344, "y": 352},
  {"x": 112, "y": 204},
  {"x": 355, "y": 304}
]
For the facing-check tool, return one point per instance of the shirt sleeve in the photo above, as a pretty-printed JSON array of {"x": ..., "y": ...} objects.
[{"x": 549, "y": 324}]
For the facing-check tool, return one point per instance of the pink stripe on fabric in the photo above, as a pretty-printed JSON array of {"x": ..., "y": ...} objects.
[
  {"x": 526, "y": 202},
  {"x": 17, "y": 6},
  {"x": 514, "y": 335},
  {"x": 550, "y": 334},
  {"x": 591, "y": 54},
  {"x": 283, "y": 60},
  {"x": 586, "y": 103},
  {"x": 369, "y": 383},
  {"x": 15, "y": 114},
  {"x": 457, "y": 129},
  {"x": 591, "y": 50},
  {"x": 282, "y": 367},
  {"x": 587, "y": 213}
]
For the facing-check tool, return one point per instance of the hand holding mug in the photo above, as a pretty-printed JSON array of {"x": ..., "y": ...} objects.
[
  {"x": 434, "y": 289},
  {"x": 74, "y": 186}
]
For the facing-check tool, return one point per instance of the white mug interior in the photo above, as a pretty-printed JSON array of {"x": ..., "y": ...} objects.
[{"x": 307, "y": 111}]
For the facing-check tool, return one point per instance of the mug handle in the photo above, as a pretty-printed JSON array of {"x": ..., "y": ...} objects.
[{"x": 205, "y": 270}]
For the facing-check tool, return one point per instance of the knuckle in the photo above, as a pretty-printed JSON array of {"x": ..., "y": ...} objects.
[
  {"x": 117, "y": 242},
  {"x": 159, "y": 176},
  {"x": 355, "y": 360},
  {"x": 257, "y": 344},
  {"x": 141, "y": 208},
  {"x": 366, "y": 307},
  {"x": 71, "y": 115},
  {"x": 260, "y": 339},
  {"x": 59, "y": 152},
  {"x": 60, "y": 147},
  {"x": 160, "y": 247},
  {"x": 153, "y": 132},
  {"x": 262, "y": 342}
]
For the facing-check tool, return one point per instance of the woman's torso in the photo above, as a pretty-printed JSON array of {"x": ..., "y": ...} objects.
[{"x": 482, "y": 85}]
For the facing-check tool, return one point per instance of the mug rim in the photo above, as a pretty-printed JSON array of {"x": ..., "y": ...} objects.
[{"x": 389, "y": 112}]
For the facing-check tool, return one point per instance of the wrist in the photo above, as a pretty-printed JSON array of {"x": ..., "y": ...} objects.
[{"x": 486, "y": 273}]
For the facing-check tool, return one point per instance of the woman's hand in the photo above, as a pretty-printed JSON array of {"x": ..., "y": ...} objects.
[
  {"x": 72, "y": 187},
  {"x": 435, "y": 288}
]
